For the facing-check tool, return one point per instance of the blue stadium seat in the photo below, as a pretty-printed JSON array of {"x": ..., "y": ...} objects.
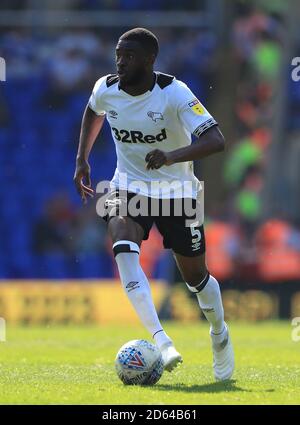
[
  {"x": 94, "y": 266},
  {"x": 52, "y": 266},
  {"x": 21, "y": 264},
  {"x": 3, "y": 265}
]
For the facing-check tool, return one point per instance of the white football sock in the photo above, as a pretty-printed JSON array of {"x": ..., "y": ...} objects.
[
  {"x": 210, "y": 301},
  {"x": 137, "y": 288}
]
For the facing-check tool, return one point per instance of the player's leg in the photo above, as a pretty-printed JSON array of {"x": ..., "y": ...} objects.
[
  {"x": 187, "y": 242},
  {"x": 194, "y": 272},
  {"x": 127, "y": 236},
  {"x": 206, "y": 288}
]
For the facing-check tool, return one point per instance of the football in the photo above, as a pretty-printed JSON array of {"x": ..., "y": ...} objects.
[{"x": 139, "y": 362}]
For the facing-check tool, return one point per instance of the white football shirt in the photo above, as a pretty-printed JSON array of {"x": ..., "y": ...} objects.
[{"x": 162, "y": 118}]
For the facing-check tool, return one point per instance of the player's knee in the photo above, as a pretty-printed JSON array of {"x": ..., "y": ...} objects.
[
  {"x": 194, "y": 277},
  {"x": 117, "y": 223},
  {"x": 117, "y": 228},
  {"x": 121, "y": 228}
]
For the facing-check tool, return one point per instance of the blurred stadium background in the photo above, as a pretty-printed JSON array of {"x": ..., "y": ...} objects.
[{"x": 55, "y": 257}]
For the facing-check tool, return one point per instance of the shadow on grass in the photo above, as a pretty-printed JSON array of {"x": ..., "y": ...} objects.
[{"x": 214, "y": 387}]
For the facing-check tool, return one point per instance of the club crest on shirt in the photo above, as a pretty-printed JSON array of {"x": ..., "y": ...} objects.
[
  {"x": 196, "y": 107},
  {"x": 155, "y": 116},
  {"x": 113, "y": 114}
]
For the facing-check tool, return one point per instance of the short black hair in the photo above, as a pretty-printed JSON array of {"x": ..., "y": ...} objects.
[{"x": 143, "y": 36}]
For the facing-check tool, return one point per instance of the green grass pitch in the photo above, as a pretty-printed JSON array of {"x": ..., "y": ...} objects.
[{"x": 75, "y": 365}]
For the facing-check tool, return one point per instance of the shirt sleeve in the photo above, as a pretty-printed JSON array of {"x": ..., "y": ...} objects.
[
  {"x": 192, "y": 114},
  {"x": 96, "y": 98}
]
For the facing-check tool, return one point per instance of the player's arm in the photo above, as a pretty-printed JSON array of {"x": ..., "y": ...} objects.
[
  {"x": 210, "y": 142},
  {"x": 90, "y": 127}
]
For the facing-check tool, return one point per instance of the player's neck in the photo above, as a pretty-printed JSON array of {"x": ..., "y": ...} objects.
[{"x": 142, "y": 87}]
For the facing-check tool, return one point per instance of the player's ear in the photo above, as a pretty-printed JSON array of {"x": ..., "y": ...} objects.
[
  {"x": 153, "y": 57},
  {"x": 150, "y": 59}
]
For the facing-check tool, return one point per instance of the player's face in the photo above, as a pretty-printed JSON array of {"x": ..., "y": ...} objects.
[{"x": 132, "y": 62}]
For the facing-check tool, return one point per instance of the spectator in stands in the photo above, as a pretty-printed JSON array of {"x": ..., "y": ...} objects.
[
  {"x": 68, "y": 71},
  {"x": 223, "y": 246},
  {"x": 19, "y": 49},
  {"x": 89, "y": 232},
  {"x": 53, "y": 232},
  {"x": 266, "y": 57},
  {"x": 278, "y": 251},
  {"x": 71, "y": 68},
  {"x": 248, "y": 200}
]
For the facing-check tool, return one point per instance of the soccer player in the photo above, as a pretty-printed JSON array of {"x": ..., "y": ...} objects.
[{"x": 152, "y": 116}]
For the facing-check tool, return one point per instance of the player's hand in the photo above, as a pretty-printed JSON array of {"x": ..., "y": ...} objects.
[
  {"x": 83, "y": 174},
  {"x": 157, "y": 158}
]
